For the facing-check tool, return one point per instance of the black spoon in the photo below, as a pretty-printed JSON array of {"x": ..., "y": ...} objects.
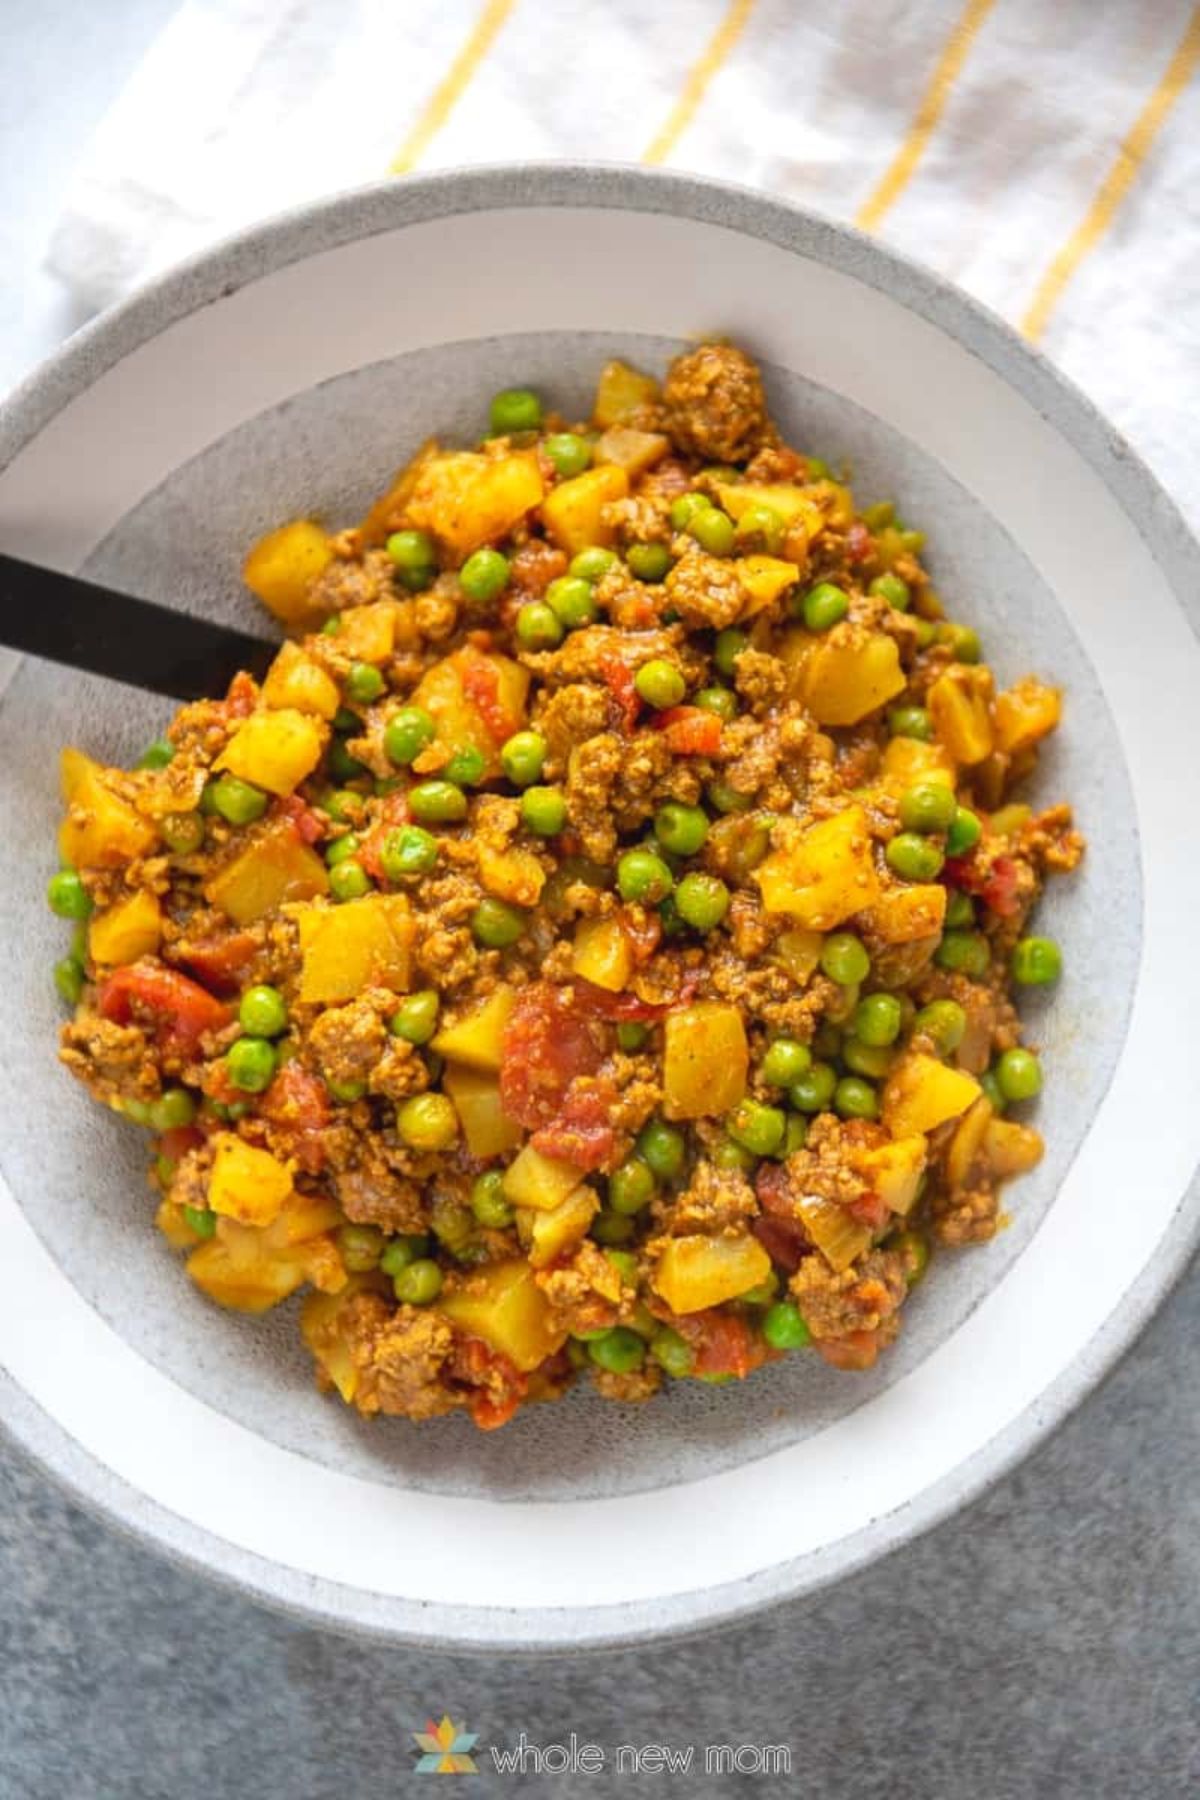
[{"x": 96, "y": 629}]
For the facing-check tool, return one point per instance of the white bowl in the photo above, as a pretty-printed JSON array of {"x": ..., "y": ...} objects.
[{"x": 291, "y": 370}]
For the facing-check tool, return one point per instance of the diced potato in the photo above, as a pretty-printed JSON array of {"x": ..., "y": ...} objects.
[
  {"x": 693, "y": 1273},
  {"x": 906, "y": 761},
  {"x": 1025, "y": 713},
  {"x": 838, "y": 1235},
  {"x": 478, "y": 1039},
  {"x": 511, "y": 874},
  {"x": 274, "y": 867},
  {"x": 633, "y": 451},
  {"x": 893, "y": 1171},
  {"x": 794, "y": 505},
  {"x": 486, "y": 1126},
  {"x": 246, "y": 1184},
  {"x": 799, "y": 952},
  {"x": 281, "y": 569},
  {"x": 958, "y": 706},
  {"x": 967, "y": 1141},
  {"x": 621, "y": 390},
  {"x": 476, "y": 700},
  {"x": 822, "y": 874},
  {"x": 1011, "y": 1149},
  {"x": 764, "y": 579},
  {"x": 319, "y": 1316},
  {"x": 295, "y": 683},
  {"x": 126, "y": 930},
  {"x": 172, "y": 1222},
  {"x": 571, "y": 512},
  {"x": 467, "y": 500},
  {"x": 368, "y": 633},
  {"x": 904, "y": 915},
  {"x": 837, "y": 503},
  {"x": 503, "y": 1305},
  {"x": 542, "y": 1182},
  {"x": 1009, "y": 820},
  {"x": 843, "y": 675},
  {"x": 251, "y": 1268},
  {"x": 240, "y": 1286},
  {"x": 602, "y": 954},
  {"x": 921, "y": 1093},
  {"x": 705, "y": 1060},
  {"x": 275, "y": 750},
  {"x": 548, "y": 1234},
  {"x": 386, "y": 513},
  {"x": 361, "y": 943},
  {"x": 100, "y": 831}
]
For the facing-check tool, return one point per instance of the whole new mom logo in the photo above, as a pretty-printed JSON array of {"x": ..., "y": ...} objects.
[{"x": 446, "y": 1748}]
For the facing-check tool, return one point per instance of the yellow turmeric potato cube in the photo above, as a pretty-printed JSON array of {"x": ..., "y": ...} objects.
[
  {"x": 320, "y": 1317},
  {"x": 295, "y": 683},
  {"x": 904, "y": 915},
  {"x": 100, "y": 831},
  {"x": 486, "y": 1126},
  {"x": 241, "y": 1286},
  {"x": 467, "y": 500},
  {"x": 838, "y": 1235},
  {"x": 281, "y": 568},
  {"x": 1011, "y": 1149},
  {"x": 548, "y": 1234},
  {"x": 541, "y": 1182},
  {"x": 1025, "y": 713},
  {"x": 477, "y": 1040},
  {"x": 921, "y": 1093},
  {"x": 621, "y": 390},
  {"x": 633, "y": 451},
  {"x": 764, "y": 579},
  {"x": 503, "y": 1305},
  {"x": 893, "y": 1171},
  {"x": 906, "y": 761},
  {"x": 693, "y": 1273},
  {"x": 705, "y": 1059},
  {"x": 967, "y": 1142},
  {"x": 798, "y": 951},
  {"x": 572, "y": 511},
  {"x": 368, "y": 633},
  {"x": 822, "y": 873},
  {"x": 847, "y": 673},
  {"x": 247, "y": 1185},
  {"x": 475, "y": 700},
  {"x": 126, "y": 930},
  {"x": 602, "y": 954},
  {"x": 794, "y": 505},
  {"x": 172, "y": 1222},
  {"x": 361, "y": 943},
  {"x": 511, "y": 874},
  {"x": 386, "y": 512},
  {"x": 275, "y": 750},
  {"x": 274, "y": 867},
  {"x": 958, "y": 706}
]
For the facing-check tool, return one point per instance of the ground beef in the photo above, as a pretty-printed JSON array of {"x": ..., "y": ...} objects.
[
  {"x": 705, "y": 590},
  {"x": 715, "y": 405}
]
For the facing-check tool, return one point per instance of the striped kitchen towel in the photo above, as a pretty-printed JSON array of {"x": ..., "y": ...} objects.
[{"x": 1043, "y": 155}]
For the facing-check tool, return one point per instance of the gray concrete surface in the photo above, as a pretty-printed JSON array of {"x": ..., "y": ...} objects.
[{"x": 1045, "y": 1643}]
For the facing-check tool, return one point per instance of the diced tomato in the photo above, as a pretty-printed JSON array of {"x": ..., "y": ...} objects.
[
  {"x": 178, "y": 1009},
  {"x": 178, "y": 1141},
  {"x": 618, "y": 679},
  {"x": 856, "y": 1350},
  {"x": 621, "y": 1009},
  {"x": 481, "y": 685},
  {"x": 859, "y": 543},
  {"x": 218, "y": 961},
  {"x": 689, "y": 730},
  {"x": 535, "y": 565},
  {"x": 774, "y": 1190},
  {"x": 869, "y": 1210},
  {"x": 240, "y": 700},
  {"x": 549, "y": 1041},
  {"x": 783, "y": 1240},
  {"x": 581, "y": 1132},
  {"x": 297, "y": 1104},
  {"x": 500, "y": 1387},
  {"x": 308, "y": 823},
  {"x": 995, "y": 881},
  {"x": 722, "y": 1343}
]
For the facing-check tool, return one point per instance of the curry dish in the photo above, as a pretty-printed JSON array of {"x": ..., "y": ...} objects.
[{"x": 592, "y": 948}]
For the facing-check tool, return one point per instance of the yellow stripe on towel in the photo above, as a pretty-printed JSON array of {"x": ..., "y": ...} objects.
[
  {"x": 449, "y": 90},
  {"x": 700, "y": 75}
]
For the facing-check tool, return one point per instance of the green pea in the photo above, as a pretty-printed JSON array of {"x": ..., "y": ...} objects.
[
  {"x": 660, "y": 683},
  {"x": 713, "y": 530},
  {"x": 873, "y": 1060},
  {"x": 342, "y": 766},
  {"x": 718, "y": 700},
  {"x": 1018, "y": 1074},
  {"x": 409, "y": 850},
  {"x": 250, "y": 1064},
  {"x": 67, "y": 895},
  {"x": 725, "y": 1154},
  {"x": 762, "y": 1293},
  {"x": 795, "y": 1136},
  {"x": 364, "y": 683},
  {"x": 138, "y": 1111},
  {"x": 182, "y": 833},
  {"x": 544, "y": 810},
  {"x": 523, "y": 756},
  {"x": 672, "y": 1353},
  {"x": 156, "y": 755},
  {"x": 910, "y": 722},
  {"x": 202, "y": 1220},
  {"x": 619, "y": 1351},
  {"x": 643, "y": 876},
  {"x": 991, "y": 1088},
  {"x": 360, "y": 1247},
  {"x": 495, "y": 924},
  {"x": 855, "y": 1099},
  {"x": 342, "y": 804},
  {"x": 913, "y": 857},
  {"x": 785, "y": 1062},
  {"x": 814, "y": 1091},
  {"x": 631, "y": 1036},
  {"x": 960, "y": 910},
  {"x": 571, "y": 600},
  {"x": 514, "y": 409},
  {"x": 262, "y": 1012},
  {"x": 1036, "y": 962},
  {"x": 824, "y": 605},
  {"x": 400, "y": 1252},
  {"x": 756, "y": 1127},
  {"x": 538, "y": 626},
  {"x": 347, "y": 1091},
  {"x": 663, "y": 1148},
  {"x": 891, "y": 588},
  {"x": 488, "y": 1204},
  {"x": 877, "y": 1019},
  {"x": 427, "y": 1122},
  {"x": 724, "y": 798},
  {"x": 484, "y": 576},
  {"x": 685, "y": 508},
  {"x": 964, "y": 833},
  {"x": 818, "y": 468},
  {"x": 593, "y": 563},
  {"x": 408, "y": 732},
  {"x": 342, "y": 847},
  {"x": 465, "y": 767},
  {"x": 69, "y": 979},
  {"x": 437, "y": 803},
  {"x": 926, "y": 632},
  {"x": 844, "y": 959},
  {"x": 944, "y": 1022},
  {"x": 332, "y": 625},
  {"x": 761, "y": 527},
  {"x": 964, "y": 951},
  {"x": 783, "y": 1327},
  {"x": 346, "y": 721},
  {"x": 412, "y": 550},
  {"x": 680, "y": 829},
  {"x": 728, "y": 647},
  {"x": 570, "y": 453},
  {"x": 927, "y": 807},
  {"x": 963, "y": 642},
  {"x": 912, "y": 1247},
  {"x": 348, "y": 880},
  {"x": 415, "y": 1020},
  {"x": 419, "y": 1283},
  {"x": 631, "y": 1187},
  {"x": 649, "y": 562},
  {"x": 702, "y": 901},
  {"x": 609, "y": 1227}
]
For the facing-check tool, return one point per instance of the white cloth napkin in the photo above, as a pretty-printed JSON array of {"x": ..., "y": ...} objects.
[{"x": 1046, "y": 156}]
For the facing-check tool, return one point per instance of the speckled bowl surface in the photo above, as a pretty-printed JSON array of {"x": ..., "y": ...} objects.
[{"x": 290, "y": 371}]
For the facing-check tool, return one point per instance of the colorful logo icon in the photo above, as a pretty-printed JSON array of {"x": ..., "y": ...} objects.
[{"x": 446, "y": 1748}]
